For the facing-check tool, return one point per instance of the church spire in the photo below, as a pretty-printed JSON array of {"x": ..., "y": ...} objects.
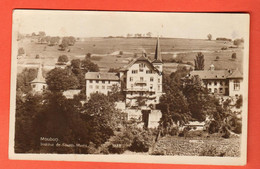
[{"x": 157, "y": 56}]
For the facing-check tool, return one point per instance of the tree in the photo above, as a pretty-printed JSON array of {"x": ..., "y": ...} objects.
[
  {"x": 33, "y": 34},
  {"x": 149, "y": 34},
  {"x": 63, "y": 59},
  {"x": 234, "y": 56},
  {"x": 101, "y": 114},
  {"x": 173, "y": 105},
  {"x": 197, "y": 97},
  {"x": 209, "y": 36},
  {"x": 27, "y": 109},
  {"x": 21, "y": 51},
  {"x": 61, "y": 79},
  {"x": 238, "y": 42},
  {"x": 24, "y": 78},
  {"x": 41, "y": 33},
  {"x": 88, "y": 56},
  {"x": 61, "y": 118},
  {"x": 199, "y": 61},
  {"x": 89, "y": 66}
]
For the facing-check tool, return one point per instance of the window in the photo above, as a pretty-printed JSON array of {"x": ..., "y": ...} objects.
[
  {"x": 90, "y": 86},
  {"x": 148, "y": 72},
  {"x": 103, "y": 87},
  {"x": 132, "y": 85},
  {"x": 151, "y": 79},
  {"x": 108, "y": 82},
  {"x": 220, "y": 90},
  {"x": 215, "y": 83},
  {"x": 97, "y": 81},
  {"x": 141, "y": 65},
  {"x": 131, "y": 79},
  {"x": 236, "y": 85},
  {"x": 103, "y": 81},
  {"x": 209, "y": 83},
  {"x": 141, "y": 79},
  {"x": 215, "y": 90},
  {"x": 33, "y": 86},
  {"x": 97, "y": 87},
  {"x": 210, "y": 90},
  {"x": 134, "y": 71},
  {"x": 221, "y": 83},
  {"x": 159, "y": 87},
  {"x": 90, "y": 81},
  {"x": 159, "y": 80},
  {"x": 141, "y": 93},
  {"x": 151, "y": 86}
]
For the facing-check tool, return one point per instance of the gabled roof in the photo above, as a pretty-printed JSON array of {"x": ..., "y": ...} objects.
[
  {"x": 217, "y": 74},
  {"x": 101, "y": 76},
  {"x": 141, "y": 58},
  {"x": 39, "y": 78},
  {"x": 210, "y": 74},
  {"x": 236, "y": 74}
]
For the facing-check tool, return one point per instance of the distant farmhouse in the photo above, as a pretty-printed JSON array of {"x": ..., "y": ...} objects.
[{"x": 221, "y": 82}]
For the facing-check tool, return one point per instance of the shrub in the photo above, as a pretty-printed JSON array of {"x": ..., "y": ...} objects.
[
  {"x": 141, "y": 142},
  {"x": 217, "y": 58},
  {"x": 213, "y": 127},
  {"x": 37, "y": 56},
  {"x": 63, "y": 58},
  {"x": 224, "y": 48},
  {"x": 21, "y": 51},
  {"x": 121, "y": 52},
  {"x": 234, "y": 56},
  {"x": 88, "y": 56},
  {"x": 209, "y": 150}
]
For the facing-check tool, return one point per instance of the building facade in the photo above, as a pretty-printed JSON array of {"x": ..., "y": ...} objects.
[
  {"x": 221, "y": 82},
  {"x": 101, "y": 82},
  {"x": 143, "y": 80}
]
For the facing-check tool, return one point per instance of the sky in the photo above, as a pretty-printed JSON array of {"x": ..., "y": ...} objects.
[{"x": 103, "y": 23}]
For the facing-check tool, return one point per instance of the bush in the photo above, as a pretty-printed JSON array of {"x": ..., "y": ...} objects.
[
  {"x": 224, "y": 48},
  {"x": 121, "y": 52},
  {"x": 209, "y": 150},
  {"x": 37, "y": 56},
  {"x": 21, "y": 51},
  {"x": 234, "y": 56},
  {"x": 63, "y": 58},
  {"x": 217, "y": 58},
  {"x": 141, "y": 142},
  {"x": 213, "y": 127}
]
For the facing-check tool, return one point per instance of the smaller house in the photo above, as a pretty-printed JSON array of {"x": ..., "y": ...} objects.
[
  {"x": 221, "y": 82},
  {"x": 100, "y": 82}
]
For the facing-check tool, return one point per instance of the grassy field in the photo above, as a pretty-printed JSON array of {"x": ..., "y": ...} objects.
[
  {"x": 105, "y": 51},
  {"x": 198, "y": 146}
]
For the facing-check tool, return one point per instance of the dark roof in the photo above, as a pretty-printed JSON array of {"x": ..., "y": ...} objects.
[
  {"x": 210, "y": 74},
  {"x": 217, "y": 74},
  {"x": 236, "y": 74},
  {"x": 101, "y": 76},
  {"x": 157, "y": 56}
]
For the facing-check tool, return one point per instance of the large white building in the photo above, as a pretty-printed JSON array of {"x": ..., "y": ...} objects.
[{"x": 143, "y": 79}]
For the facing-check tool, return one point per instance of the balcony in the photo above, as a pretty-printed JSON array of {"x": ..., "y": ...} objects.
[{"x": 140, "y": 82}]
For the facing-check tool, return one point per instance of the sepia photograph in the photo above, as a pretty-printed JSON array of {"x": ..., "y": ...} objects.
[{"x": 139, "y": 87}]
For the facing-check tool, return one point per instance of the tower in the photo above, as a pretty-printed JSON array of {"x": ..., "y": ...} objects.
[
  {"x": 157, "y": 62},
  {"x": 39, "y": 83}
]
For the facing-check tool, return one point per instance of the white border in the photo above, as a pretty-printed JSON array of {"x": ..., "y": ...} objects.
[{"x": 130, "y": 158}]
